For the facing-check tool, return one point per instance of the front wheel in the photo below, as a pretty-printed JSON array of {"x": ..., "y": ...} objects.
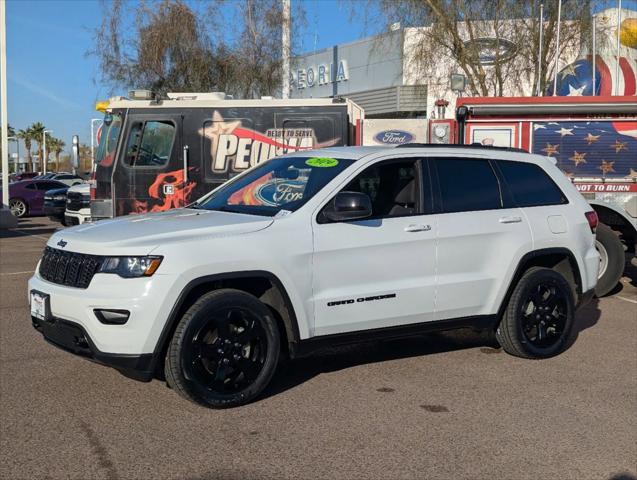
[
  {"x": 538, "y": 319},
  {"x": 611, "y": 259},
  {"x": 224, "y": 351},
  {"x": 18, "y": 207}
]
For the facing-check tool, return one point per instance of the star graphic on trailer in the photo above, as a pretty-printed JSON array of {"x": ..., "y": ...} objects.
[
  {"x": 578, "y": 158},
  {"x": 219, "y": 127},
  {"x": 607, "y": 167},
  {"x": 575, "y": 92},
  {"x": 569, "y": 71},
  {"x": 551, "y": 149},
  {"x": 590, "y": 138},
  {"x": 564, "y": 131},
  {"x": 619, "y": 146}
]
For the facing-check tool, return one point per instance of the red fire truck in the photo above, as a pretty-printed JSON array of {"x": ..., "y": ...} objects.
[{"x": 594, "y": 141}]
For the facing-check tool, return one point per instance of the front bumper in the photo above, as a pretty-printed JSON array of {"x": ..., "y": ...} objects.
[
  {"x": 56, "y": 211},
  {"x": 73, "y": 338},
  {"x": 149, "y": 301},
  {"x": 77, "y": 217}
]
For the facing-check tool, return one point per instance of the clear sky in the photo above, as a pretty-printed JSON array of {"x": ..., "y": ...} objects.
[{"x": 51, "y": 79}]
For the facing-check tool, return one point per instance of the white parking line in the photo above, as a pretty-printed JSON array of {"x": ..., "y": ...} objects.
[
  {"x": 626, "y": 299},
  {"x": 16, "y": 273}
]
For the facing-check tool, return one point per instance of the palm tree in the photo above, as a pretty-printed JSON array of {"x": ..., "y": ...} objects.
[
  {"x": 37, "y": 132},
  {"x": 27, "y": 138},
  {"x": 57, "y": 146}
]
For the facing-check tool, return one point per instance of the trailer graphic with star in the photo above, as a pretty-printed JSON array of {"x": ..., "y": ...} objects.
[
  {"x": 593, "y": 140},
  {"x": 162, "y": 153}
]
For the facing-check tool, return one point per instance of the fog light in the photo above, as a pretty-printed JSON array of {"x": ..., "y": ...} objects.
[{"x": 112, "y": 317}]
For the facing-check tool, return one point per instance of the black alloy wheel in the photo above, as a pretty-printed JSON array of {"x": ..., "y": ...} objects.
[
  {"x": 544, "y": 315},
  {"x": 228, "y": 352},
  {"x": 224, "y": 351},
  {"x": 538, "y": 318}
]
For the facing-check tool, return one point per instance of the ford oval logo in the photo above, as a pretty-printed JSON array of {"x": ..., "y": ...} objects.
[
  {"x": 62, "y": 243},
  {"x": 490, "y": 50},
  {"x": 393, "y": 137}
]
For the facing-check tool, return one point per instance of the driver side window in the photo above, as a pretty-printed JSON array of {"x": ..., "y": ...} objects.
[
  {"x": 392, "y": 186},
  {"x": 150, "y": 143}
]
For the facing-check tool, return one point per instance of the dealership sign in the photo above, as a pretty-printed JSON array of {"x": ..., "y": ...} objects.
[
  {"x": 491, "y": 50},
  {"x": 321, "y": 74},
  {"x": 393, "y": 137}
]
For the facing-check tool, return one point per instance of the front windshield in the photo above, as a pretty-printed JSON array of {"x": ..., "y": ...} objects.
[
  {"x": 280, "y": 185},
  {"x": 108, "y": 141}
]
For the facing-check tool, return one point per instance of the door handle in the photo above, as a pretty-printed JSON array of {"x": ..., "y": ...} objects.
[
  {"x": 185, "y": 164},
  {"x": 510, "y": 219},
  {"x": 418, "y": 228}
]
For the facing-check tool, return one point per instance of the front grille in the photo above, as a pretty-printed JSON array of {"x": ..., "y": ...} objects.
[
  {"x": 69, "y": 268},
  {"x": 76, "y": 201}
]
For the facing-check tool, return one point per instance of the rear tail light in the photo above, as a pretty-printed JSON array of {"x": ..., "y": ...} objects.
[
  {"x": 593, "y": 220},
  {"x": 93, "y": 183}
]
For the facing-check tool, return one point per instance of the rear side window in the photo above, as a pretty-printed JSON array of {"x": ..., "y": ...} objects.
[
  {"x": 467, "y": 185},
  {"x": 530, "y": 185}
]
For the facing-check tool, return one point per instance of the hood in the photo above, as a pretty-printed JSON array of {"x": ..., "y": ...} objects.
[
  {"x": 83, "y": 188},
  {"x": 140, "y": 234}
]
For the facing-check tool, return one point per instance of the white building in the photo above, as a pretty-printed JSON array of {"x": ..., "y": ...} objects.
[{"x": 384, "y": 74}]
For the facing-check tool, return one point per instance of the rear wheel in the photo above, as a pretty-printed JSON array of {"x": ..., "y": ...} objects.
[
  {"x": 611, "y": 259},
  {"x": 538, "y": 319},
  {"x": 224, "y": 350},
  {"x": 18, "y": 207}
]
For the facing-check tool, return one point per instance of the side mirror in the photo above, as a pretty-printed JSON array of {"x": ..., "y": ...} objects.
[{"x": 349, "y": 206}]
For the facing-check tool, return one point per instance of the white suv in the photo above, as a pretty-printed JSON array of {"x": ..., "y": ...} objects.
[
  {"x": 317, "y": 247},
  {"x": 78, "y": 204}
]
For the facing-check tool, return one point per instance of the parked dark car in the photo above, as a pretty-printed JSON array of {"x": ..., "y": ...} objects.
[
  {"x": 45, "y": 176},
  {"x": 27, "y": 196},
  {"x": 17, "y": 177},
  {"x": 55, "y": 204}
]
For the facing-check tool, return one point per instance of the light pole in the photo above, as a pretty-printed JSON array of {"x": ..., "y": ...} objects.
[
  {"x": 17, "y": 161},
  {"x": 93, "y": 120},
  {"x": 557, "y": 45},
  {"x": 3, "y": 114},
  {"x": 44, "y": 156}
]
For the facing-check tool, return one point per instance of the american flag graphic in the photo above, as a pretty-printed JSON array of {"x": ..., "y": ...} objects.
[
  {"x": 606, "y": 149},
  {"x": 576, "y": 79}
]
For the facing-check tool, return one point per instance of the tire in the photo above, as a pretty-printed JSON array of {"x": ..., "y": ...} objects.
[
  {"x": 18, "y": 207},
  {"x": 611, "y": 264},
  {"x": 539, "y": 316},
  {"x": 224, "y": 351}
]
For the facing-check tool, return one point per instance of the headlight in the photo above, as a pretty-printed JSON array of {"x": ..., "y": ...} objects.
[
  {"x": 131, "y": 267},
  {"x": 59, "y": 197}
]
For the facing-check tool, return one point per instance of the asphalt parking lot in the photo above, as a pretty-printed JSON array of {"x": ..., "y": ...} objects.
[{"x": 437, "y": 406}]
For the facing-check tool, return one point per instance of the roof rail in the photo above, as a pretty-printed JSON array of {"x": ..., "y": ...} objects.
[{"x": 471, "y": 146}]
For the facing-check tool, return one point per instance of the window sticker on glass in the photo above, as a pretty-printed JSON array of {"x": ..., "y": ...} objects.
[
  {"x": 273, "y": 189},
  {"x": 322, "y": 162}
]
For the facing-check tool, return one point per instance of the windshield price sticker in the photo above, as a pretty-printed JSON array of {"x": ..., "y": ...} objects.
[{"x": 321, "y": 162}]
